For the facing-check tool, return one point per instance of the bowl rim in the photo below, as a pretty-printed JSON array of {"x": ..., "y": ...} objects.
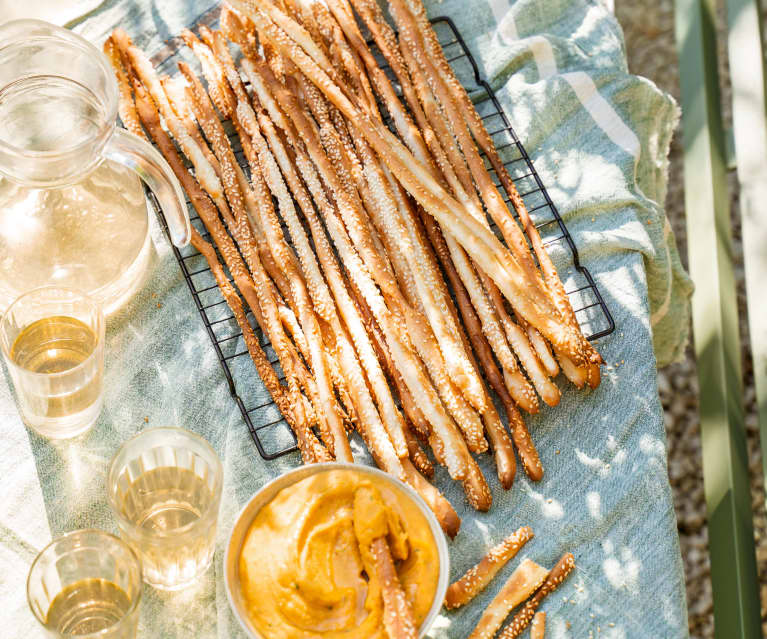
[{"x": 293, "y": 476}]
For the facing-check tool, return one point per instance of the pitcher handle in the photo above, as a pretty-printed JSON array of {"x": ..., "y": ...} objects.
[{"x": 130, "y": 150}]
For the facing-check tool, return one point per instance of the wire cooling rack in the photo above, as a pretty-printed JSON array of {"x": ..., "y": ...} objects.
[{"x": 271, "y": 434}]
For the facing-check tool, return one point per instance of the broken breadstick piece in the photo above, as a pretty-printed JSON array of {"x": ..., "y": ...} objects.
[
  {"x": 538, "y": 627},
  {"x": 477, "y": 577},
  {"x": 559, "y": 573},
  {"x": 524, "y": 581}
]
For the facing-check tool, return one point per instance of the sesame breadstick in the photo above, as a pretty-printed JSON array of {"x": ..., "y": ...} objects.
[
  {"x": 485, "y": 142},
  {"x": 558, "y": 574},
  {"x": 525, "y": 294},
  {"x": 126, "y": 106},
  {"x": 374, "y": 432},
  {"x": 264, "y": 84},
  {"x": 289, "y": 404},
  {"x": 338, "y": 443},
  {"x": 477, "y": 577},
  {"x": 455, "y": 259},
  {"x": 522, "y": 583}
]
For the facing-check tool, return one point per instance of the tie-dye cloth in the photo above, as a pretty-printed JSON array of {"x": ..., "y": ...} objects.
[{"x": 599, "y": 138}]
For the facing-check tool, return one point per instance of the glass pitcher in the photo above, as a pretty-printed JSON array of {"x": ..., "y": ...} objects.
[{"x": 72, "y": 209}]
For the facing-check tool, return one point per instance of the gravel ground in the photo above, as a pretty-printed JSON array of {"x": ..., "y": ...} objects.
[{"x": 649, "y": 32}]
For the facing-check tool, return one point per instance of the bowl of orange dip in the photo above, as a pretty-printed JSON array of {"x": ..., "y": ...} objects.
[{"x": 293, "y": 568}]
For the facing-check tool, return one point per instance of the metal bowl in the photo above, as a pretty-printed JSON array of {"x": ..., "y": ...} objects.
[{"x": 269, "y": 491}]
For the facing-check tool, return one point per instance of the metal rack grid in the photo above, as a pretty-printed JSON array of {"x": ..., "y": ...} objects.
[{"x": 271, "y": 434}]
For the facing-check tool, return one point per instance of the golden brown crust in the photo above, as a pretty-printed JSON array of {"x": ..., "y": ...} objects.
[
  {"x": 538, "y": 627},
  {"x": 446, "y": 516},
  {"x": 418, "y": 457},
  {"x": 524, "y": 293},
  {"x": 557, "y": 575},
  {"x": 485, "y": 142},
  {"x": 522, "y": 583},
  {"x": 311, "y": 449},
  {"x": 478, "y": 576},
  {"x": 126, "y": 106}
]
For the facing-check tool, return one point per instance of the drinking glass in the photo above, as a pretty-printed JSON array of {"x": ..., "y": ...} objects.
[
  {"x": 53, "y": 345},
  {"x": 164, "y": 487},
  {"x": 86, "y": 584}
]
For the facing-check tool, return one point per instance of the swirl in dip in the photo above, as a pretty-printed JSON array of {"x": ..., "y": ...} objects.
[{"x": 301, "y": 571}]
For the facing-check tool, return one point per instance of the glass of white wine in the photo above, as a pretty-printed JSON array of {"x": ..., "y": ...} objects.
[
  {"x": 86, "y": 584},
  {"x": 53, "y": 345},
  {"x": 164, "y": 487}
]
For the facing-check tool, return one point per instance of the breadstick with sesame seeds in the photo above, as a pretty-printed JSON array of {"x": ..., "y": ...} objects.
[
  {"x": 538, "y": 627},
  {"x": 400, "y": 233},
  {"x": 219, "y": 60},
  {"x": 528, "y": 358},
  {"x": 454, "y": 258},
  {"x": 474, "y": 483},
  {"x": 525, "y": 294},
  {"x": 338, "y": 443},
  {"x": 126, "y": 106},
  {"x": 386, "y": 41},
  {"x": 356, "y": 389},
  {"x": 411, "y": 41},
  {"x": 235, "y": 31},
  {"x": 476, "y": 578},
  {"x": 449, "y": 361},
  {"x": 211, "y": 72},
  {"x": 424, "y": 84},
  {"x": 142, "y": 68},
  {"x": 418, "y": 457},
  {"x": 417, "y": 422},
  {"x": 390, "y": 414},
  {"x": 177, "y": 97},
  {"x": 522, "y": 583},
  {"x": 541, "y": 347},
  {"x": 521, "y": 437},
  {"x": 446, "y": 516},
  {"x": 485, "y": 142},
  {"x": 373, "y": 528},
  {"x": 289, "y": 404},
  {"x": 264, "y": 83},
  {"x": 309, "y": 442},
  {"x": 557, "y": 575},
  {"x": 370, "y": 424},
  {"x": 240, "y": 227}
]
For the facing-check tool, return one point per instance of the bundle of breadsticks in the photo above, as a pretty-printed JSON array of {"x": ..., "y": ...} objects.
[{"x": 365, "y": 257}]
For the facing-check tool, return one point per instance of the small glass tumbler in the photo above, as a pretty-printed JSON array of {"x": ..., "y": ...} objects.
[
  {"x": 53, "y": 345},
  {"x": 86, "y": 584},
  {"x": 164, "y": 487}
]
